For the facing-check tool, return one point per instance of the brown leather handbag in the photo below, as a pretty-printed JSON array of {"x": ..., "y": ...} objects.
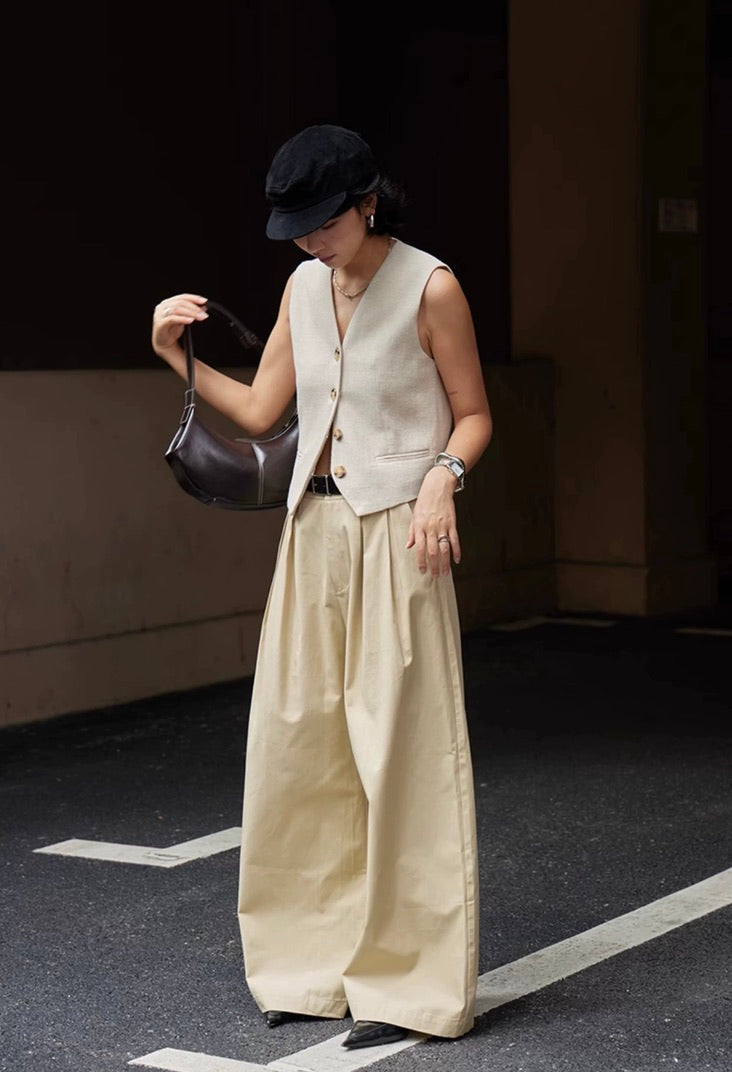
[{"x": 235, "y": 474}]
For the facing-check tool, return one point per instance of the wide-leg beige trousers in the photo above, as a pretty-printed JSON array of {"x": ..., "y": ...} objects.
[{"x": 358, "y": 883}]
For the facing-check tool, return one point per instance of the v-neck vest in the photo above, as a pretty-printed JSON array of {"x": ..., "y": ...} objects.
[{"x": 377, "y": 394}]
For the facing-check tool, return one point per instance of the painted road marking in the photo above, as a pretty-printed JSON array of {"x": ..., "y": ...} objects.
[
  {"x": 330, "y": 1056},
  {"x": 537, "y": 970},
  {"x": 530, "y": 623},
  {"x": 185, "y": 1061},
  {"x": 196, "y": 849},
  {"x": 502, "y": 985},
  {"x": 518, "y": 623},
  {"x": 596, "y": 623},
  {"x": 705, "y": 632}
]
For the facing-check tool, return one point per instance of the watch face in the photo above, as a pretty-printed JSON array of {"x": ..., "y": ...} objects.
[{"x": 455, "y": 467}]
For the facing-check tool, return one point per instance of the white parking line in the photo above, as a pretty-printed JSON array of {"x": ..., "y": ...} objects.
[
  {"x": 196, "y": 849},
  {"x": 330, "y": 1056},
  {"x": 498, "y": 987},
  {"x": 531, "y": 623},
  {"x": 562, "y": 959},
  {"x": 186, "y": 1061},
  {"x": 704, "y": 632}
]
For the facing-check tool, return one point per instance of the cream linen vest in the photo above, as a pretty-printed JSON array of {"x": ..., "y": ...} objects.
[{"x": 377, "y": 394}]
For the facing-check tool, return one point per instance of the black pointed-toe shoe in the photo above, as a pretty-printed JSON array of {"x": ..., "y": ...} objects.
[
  {"x": 373, "y": 1033},
  {"x": 275, "y": 1018}
]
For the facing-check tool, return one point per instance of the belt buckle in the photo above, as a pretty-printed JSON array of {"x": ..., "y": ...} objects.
[{"x": 323, "y": 484}]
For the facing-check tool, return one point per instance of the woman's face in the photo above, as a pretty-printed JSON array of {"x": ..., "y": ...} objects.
[{"x": 338, "y": 240}]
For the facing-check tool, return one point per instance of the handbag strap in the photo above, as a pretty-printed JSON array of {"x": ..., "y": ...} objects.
[{"x": 245, "y": 336}]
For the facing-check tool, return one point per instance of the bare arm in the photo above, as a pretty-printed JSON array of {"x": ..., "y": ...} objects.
[
  {"x": 448, "y": 335},
  {"x": 256, "y": 407}
]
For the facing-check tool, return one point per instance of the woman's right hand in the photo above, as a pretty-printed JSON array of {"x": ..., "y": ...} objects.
[{"x": 170, "y": 317}]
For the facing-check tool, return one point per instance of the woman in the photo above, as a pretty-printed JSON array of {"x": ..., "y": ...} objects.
[{"x": 358, "y": 883}]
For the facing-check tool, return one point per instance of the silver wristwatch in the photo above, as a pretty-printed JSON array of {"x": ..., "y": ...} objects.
[{"x": 455, "y": 465}]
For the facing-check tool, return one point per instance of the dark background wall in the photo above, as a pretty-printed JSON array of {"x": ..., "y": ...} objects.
[
  {"x": 136, "y": 149},
  {"x": 139, "y": 146}
]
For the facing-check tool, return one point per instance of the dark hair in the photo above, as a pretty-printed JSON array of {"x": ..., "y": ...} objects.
[{"x": 390, "y": 205}]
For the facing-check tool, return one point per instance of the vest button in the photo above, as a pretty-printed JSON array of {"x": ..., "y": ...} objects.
[
  {"x": 337, "y": 433},
  {"x": 337, "y": 353},
  {"x": 333, "y": 394},
  {"x": 339, "y": 471}
]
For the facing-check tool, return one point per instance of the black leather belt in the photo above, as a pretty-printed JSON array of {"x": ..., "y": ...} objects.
[{"x": 323, "y": 485}]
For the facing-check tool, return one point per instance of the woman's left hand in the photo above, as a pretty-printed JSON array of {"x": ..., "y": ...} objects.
[{"x": 433, "y": 529}]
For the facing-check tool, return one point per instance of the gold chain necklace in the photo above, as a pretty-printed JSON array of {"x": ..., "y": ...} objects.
[{"x": 345, "y": 293}]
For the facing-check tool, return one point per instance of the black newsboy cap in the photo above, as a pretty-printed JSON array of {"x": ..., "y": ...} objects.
[{"x": 312, "y": 174}]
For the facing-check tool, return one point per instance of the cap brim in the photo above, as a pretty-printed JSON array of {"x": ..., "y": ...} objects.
[{"x": 285, "y": 223}]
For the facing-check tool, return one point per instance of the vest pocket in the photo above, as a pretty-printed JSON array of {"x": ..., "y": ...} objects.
[{"x": 404, "y": 455}]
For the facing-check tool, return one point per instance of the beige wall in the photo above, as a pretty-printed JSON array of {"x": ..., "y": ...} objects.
[
  {"x": 116, "y": 585},
  {"x": 606, "y": 112},
  {"x": 506, "y": 513},
  {"x": 719, "y": 393},
  {"x": 575, "y": 286}
]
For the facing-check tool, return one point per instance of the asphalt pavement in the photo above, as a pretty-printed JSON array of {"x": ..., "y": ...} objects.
[{"x": 602, "y": 753}]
